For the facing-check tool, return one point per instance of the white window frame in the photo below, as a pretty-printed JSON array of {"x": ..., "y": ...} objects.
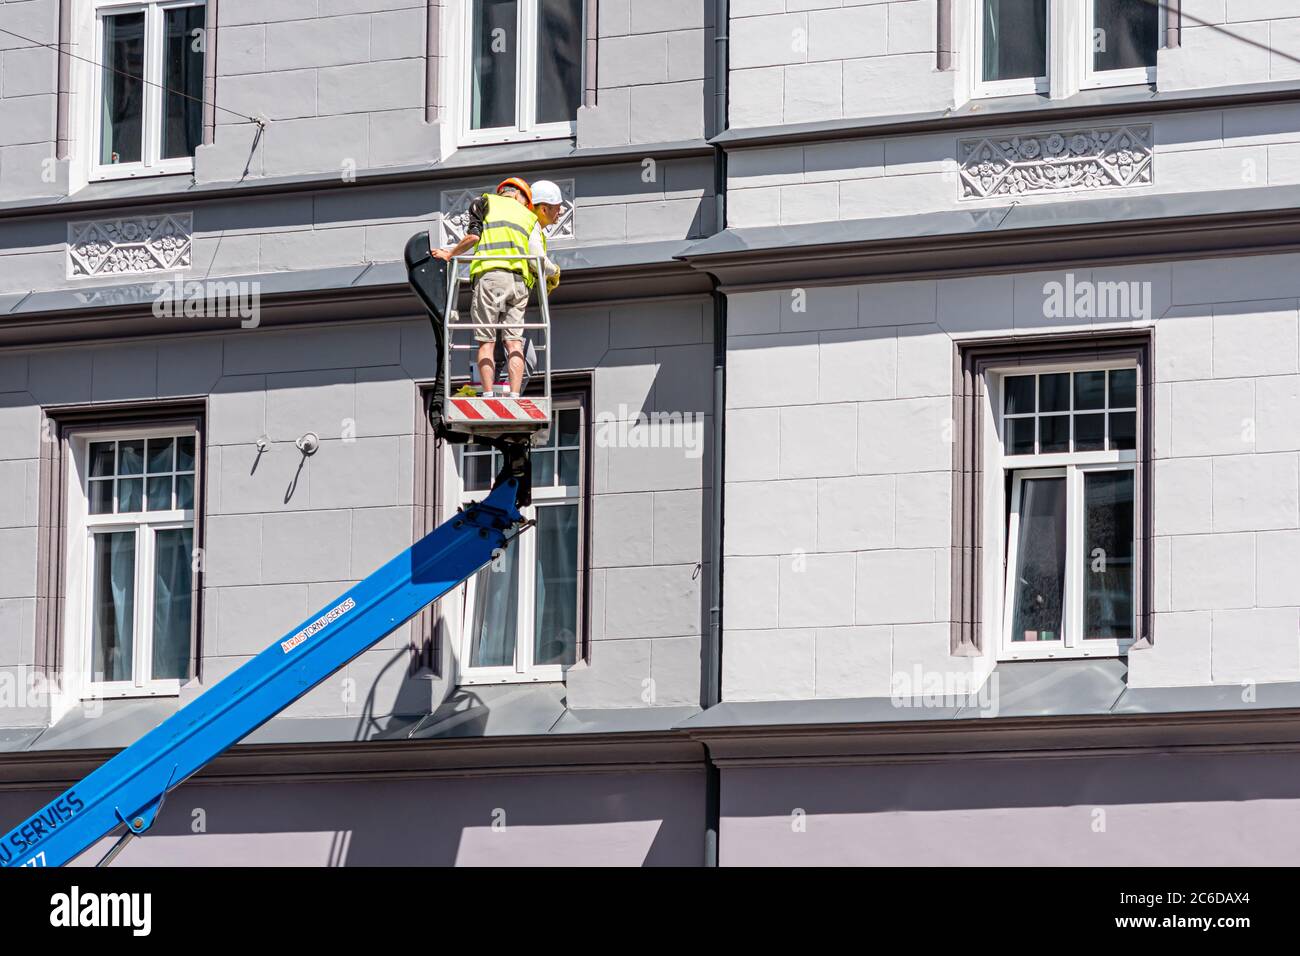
[
  {"x": 524, "y": 671},
  {"x": 82, "y": 529},
  {"x": 1072, "y": 466},
  {"x": 1069, "y": 55},
  {"x": 1022, "y": 85},
  {"x": 151, "y": 163},
  {"x": 1137, "y": 76},
  {"x": 525, "y": 83}
]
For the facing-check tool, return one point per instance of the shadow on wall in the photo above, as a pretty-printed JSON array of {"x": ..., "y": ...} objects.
[
  {"x": 651, "y": 819},
  {"x": 1148, "y": 809}
]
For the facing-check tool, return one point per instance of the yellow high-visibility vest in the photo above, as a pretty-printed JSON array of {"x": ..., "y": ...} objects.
[{"x": 506, "y": 229}]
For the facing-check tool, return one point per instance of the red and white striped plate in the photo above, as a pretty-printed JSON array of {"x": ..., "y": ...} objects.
[{"x": 500, "y": 411}]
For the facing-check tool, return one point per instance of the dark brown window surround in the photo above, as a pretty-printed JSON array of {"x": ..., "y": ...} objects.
[
  {"x": 427, "y": 634},
  {"x": 61, "y": 425},
  {"x": 973, "y": 359}
]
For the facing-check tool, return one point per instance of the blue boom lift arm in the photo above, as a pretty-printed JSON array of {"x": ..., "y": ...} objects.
[{"x": 129, "y": 789}]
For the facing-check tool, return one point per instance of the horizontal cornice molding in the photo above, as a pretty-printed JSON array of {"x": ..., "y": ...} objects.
[
  {"x": 99, "y": 320},
  {"x": 392, "y": 759},
  {"x": 978, "y": 738},
  {"x": 689, "y": 749},
  {"x": 1011, "y": 111},
  {"x": 798, "y": 260}
]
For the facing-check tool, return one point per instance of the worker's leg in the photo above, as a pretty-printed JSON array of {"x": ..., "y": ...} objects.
[
  {"x": 487, "y": 364},
  {"x": 515, "y": 364},
  {"x": 486, "y": 307},
  {"x": 516, "y": 312}
]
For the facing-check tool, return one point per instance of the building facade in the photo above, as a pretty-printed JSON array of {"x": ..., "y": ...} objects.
[{"x": 926, "y": 484}]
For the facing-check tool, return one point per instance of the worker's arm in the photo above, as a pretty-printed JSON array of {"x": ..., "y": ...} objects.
[
  {"x": 477, "y": 210},
  {"x": 536, "y": 247},
  {"x": 459, "y": 249}
]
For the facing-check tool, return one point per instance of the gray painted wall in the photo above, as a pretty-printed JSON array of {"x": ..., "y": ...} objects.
[
  {"x": 343, "y": 85},
  {"x": 272, "y": 562},
  {"x": 1147, "y": 810},
  {"x": 848, "y": 584},
  {"x": 602, "y": 819}
]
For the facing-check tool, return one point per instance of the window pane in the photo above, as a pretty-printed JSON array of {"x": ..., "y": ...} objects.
[
  {"x": 479, "y": 472},
  {"x": 183, "y": 81},
  {"x": 160, "y": 494},
  {"x": 130, "y": 459},
  {"x": 160, "y": 455},
  {"x": 1090, "y": 433},
  {"x": 495, "y": 61},
  {"x": 1054, "y": 393},
  {"x": 559, "y": 60},
  {"x": 496, "y": 613},
  {"x": 543, "y": 469},
  {"x": 130, "y": 495},
  {"x": 1089, "y": 390},
  {"x": 555, "y": 625},
  {"x": 570, "y": 421},
  {"x": 1038, "y": 590},
  {"x": 1126, "y": 34},
  {"x": 123, "y": 89},
  {"x": 1123, "y": 431},
  {"x": 185, "y": 454},
  {"x": 185, "y": 492},
  {"x": 1053, "y": 434},
  {"x": 1019, "y": 394},
  {"x": 113, "y": 606},
  {"x": 1020, "y": 436},
  {"x": 101, "y": 458},
  {"x": 1123, "y": 388},
  {"x": 171, "y": 603},
  {"x": 101, "y": 497},
  {"x": 1015, "y": 39},
  {"x": 569, "y": 468},
  {"x": 1108, "y": 555}
]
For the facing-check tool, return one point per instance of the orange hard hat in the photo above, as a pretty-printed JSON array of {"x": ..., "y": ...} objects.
[{"x": 522, "y": 186}]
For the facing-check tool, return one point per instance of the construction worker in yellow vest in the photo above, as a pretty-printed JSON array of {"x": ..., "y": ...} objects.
[{"x": 509, "y": 224}]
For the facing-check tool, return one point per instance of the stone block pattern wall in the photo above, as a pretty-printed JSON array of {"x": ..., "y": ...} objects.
[
  {"x": 281, "y": 541},
  {"x": 28, "y": 98},
  {"x": 838, "y": 500},
  {"x": 1213, "y": 52},
  {"x": 342, "y": 81},
  {"x": 653, "y": 59},
  {"x": 1193, "y": 152},
  {"x": 801, "y": 61},
  {"x": 371, "y": 224}
]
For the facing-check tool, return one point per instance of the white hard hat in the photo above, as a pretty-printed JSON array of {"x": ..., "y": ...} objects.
[{"x": 545, "y": 191}]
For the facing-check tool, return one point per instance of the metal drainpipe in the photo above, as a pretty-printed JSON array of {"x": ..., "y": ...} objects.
[{"x": 712, "y": 689}]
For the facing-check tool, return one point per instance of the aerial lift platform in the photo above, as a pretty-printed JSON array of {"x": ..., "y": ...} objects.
[{"x": 127, "y": 792}]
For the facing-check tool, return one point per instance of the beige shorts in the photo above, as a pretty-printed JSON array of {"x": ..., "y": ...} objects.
[{"x": 499, "y": 297}]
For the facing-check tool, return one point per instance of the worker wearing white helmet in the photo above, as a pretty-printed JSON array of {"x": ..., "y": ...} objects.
[
  {"x": 548, "y": 206},
  {"x": 504, "y": 275}
]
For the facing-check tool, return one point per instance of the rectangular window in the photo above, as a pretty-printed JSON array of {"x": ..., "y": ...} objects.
[
  {"x": 525, "y": 69},
  {"x": 1052, "y": 46},
  {"x": 148, "y": 106},
  {"x": 1125, "y": 35},
  {"x": 1069, "y": 453},
  {"x": 1014, "y": 41},
  {"x": 132, "y": 521},
  {"x": 524, "y": 612}
]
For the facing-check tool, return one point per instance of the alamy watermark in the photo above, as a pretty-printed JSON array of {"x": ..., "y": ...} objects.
[
  {"x": 927, "y": 688},
  {"x": 684, "y": 430},
  {"x": 1085, "y": 299},
  {"x": 178, "y": 298}
]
